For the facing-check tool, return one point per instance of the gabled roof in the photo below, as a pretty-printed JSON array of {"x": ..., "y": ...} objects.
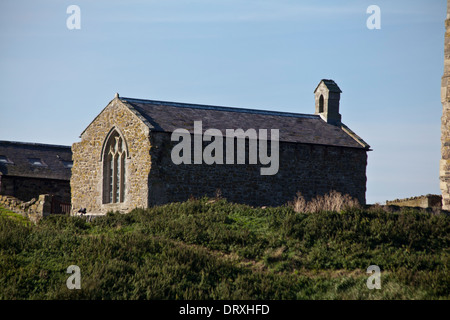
[
  {"x": 35, "y": 160},
  {"x": 330, "y": 84},
  {"x": 164, "y": 116}
]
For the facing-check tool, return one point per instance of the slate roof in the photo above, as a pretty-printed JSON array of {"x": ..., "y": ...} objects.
[
  {"x": 17, "y": 158},
  {"x": 330, "y": 84},
  {"x": 166, "y": 116}
]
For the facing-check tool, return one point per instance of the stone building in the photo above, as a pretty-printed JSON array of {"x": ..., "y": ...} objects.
[
  {"x": 125, "y": 157},
  {"x": 444, "y": 171},
  {"x": 28, "y": 170}
]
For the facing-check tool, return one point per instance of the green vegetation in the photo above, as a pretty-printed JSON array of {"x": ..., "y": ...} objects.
[
  {"x": 212, "y": 249},
  {"x": 6, "y": 213}
]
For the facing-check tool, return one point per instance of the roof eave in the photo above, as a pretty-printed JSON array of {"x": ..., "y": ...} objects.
[{"x": 357, "y": 138}]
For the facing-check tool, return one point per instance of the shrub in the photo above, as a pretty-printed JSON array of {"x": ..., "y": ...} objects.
[
  {"x": 213, "y": 249},
  {"x": 333, "y": 201}
]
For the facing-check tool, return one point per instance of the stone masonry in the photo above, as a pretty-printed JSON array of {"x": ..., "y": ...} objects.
[
  {"x": 317, "y": 155},
  {"x": 34, "y": 209},
  {"x": 444, "y": 171},
  {"x": 426, "y": 201},
  {"x": 27, "y": 188},
  {"x": 87, "y": 172},
  {"x": 28, "y": 170},
  {"x": 309, "y": 169}
]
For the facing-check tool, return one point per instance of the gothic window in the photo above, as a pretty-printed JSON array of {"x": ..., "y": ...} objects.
[
  {"x": 321, "y": 104},
  {"x": 114, "y": 169}
]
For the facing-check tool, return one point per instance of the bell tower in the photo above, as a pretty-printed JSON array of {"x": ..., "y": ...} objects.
[{"x": 327, "y": 96}]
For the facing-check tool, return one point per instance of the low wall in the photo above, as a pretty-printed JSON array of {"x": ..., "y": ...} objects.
[
  {"x": 35, "y": 209},
  {"x": 427, "y": 201}
]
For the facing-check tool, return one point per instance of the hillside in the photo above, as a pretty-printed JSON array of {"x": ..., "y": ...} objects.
[{"x": 212, "y": 249}]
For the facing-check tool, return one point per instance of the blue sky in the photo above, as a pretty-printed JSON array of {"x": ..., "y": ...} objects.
[{"x": 261, "y": 54}]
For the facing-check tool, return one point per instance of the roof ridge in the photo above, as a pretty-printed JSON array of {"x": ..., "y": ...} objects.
[
  {"x": 35, "y": 144},
  {"x": 220, "y": 108}
]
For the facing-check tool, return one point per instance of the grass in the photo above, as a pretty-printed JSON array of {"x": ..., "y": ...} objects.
[
  {"x": 6, "y": 213},
  {"x": 212, "y": 249}
]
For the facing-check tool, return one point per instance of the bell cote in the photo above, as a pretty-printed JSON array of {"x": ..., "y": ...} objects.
[{"x": 327, "y": 95}]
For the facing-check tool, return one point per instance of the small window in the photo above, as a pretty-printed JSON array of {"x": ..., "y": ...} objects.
[
  {"x": 5, "y": 160},
  {"x": 36, "y": 162},
  {"x": 67, "y": 164},
  {"x": 321, "y": 104}
]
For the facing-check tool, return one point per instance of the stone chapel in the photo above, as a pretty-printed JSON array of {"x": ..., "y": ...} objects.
[{"x": 125, "y": 157}]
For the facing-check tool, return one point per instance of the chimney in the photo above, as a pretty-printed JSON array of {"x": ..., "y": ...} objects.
[{"x": 327, "y": 95}]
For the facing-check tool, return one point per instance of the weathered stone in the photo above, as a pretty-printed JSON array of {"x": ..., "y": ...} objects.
[
  {"x": 444, "y": 171},
  {"x": 87, "y": 172},
  {"x": 30, "y": 169},
  {"x": 152, "y": 178},
  {"x": 34, "y": 209},
  {"x": 427, "y": 201}
]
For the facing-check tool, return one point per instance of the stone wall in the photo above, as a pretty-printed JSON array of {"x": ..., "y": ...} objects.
[
  {"x": 34, "y": 209},
  {"x": 27, "y": 188},
  {"x": 152, "y": 178},
  {"x": 87, "y": 171},
  {"x": 426, "y": 201},
  {"x": 310, "y": 169},
  {"x": 445, "y": 127}
]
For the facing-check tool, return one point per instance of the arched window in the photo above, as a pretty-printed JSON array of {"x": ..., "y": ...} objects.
[
  {"x": 114, "y": 169},
  {"x": 321, "y": 104}
]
